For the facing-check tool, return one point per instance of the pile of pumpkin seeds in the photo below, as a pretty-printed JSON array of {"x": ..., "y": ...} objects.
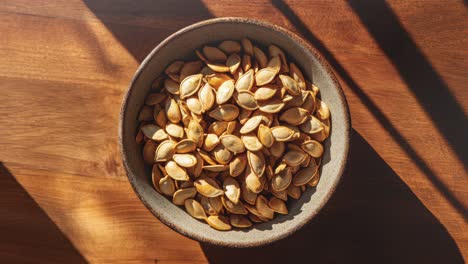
[{"x": 232, "y": 135}]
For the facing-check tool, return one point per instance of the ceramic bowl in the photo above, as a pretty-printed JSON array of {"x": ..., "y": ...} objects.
[{"x": 181, "y": 45}]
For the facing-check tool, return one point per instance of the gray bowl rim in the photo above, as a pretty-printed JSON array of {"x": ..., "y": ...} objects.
[{"x": 346, "y": 126}]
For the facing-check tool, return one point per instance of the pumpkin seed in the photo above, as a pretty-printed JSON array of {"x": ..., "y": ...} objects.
[
  {"x": 181, "y": 195},
  {"x": 218, "y": 67},
  {"x": 262, "y": 207},
  {"x": 211, "y": 205},
  {"x": 167, "y": 186},
  {"x": 171, "y": 86},
  {"x": 174, "y": 67},
  {"x": 275, "y": 51},
  {"x": 265, "y": 136},
  {"x": 294, "y": 191},
  {"x": 252, "y": 181},
  {"x": 278, "y": 205},
  {"x": 246, "y": 81},
  {"x": 230, "y": 46},
  {"x": 283, "y": 195},
  {"x": 271, "y": 106},
  {"x": 161, "y": 119},
  {"x": 195, "y": 132},
  {"x": 260, "y": 57},
  {"x": 311, "y": 126},
  {"x": 222, "y": 154},
  {"x": 227, "y": 112},
  {"x": 265, "y": 93},
  {"x": 290, "y": 84},
  {"x": 217, "y": 127},
  {"x": 282, "y": 133},
  {"x": 206, "y": 157},
  {"x": 244, "y": 115},
  {"x": 247, "y": 46},
  {"x": 194, "y": 104},
  {"x": 246, "y": 100},
  {"x": 297, "y": 76},
  {"x": 185, "y": 160},
  {"x": 155, "y": 98},
  {"x": 195, "y": 209},
  {"x": 251, "y": 124},
  {"x": 231, "y": 127},
  {"x": 265, "y": 76},
  {"x": 164, "y": 151},
  {"x": 225, "y": 91},
  {"x": 237, "y": 165},
  {"x": 190, "y": 85},
  {"x": 309, "y": 104},
  {"x": 239, "y": 221},
  {"x": 294, "y": 157},
  {"x": 172, "y": 111},
  {"x": 256, "y": 162},
  {"x": 277, "y": 149},
  {"x": 208, "y": 187},
  {"x": 190, "y": 68},
  {"x": 154, "y": 132},
  {"x": 322, "y": 111},
  {"x": 246, "y": 62},
  {"x": 176, "y": 172},
  {"x": 313, "y": 148},
  {"x": 186, "y": 184},
  {"x": 214, "y": 54},
  {"x": 234, "y": 208},
  {"x": 146, "y": 113},
  {"x": 294, "y": 116},
  {"x": 231, "y": 189},
  {"x": 206, "y": 95},
  {"x": 251, "y": 142},
  {"x": 298, "y": 100},
  {"x": 218, "y": 222},
  {"x": 233, "y": 62},
  {"x": 314, "y": 181},
  {"x": 232, "y": 143},
  {"x": 175, "y": 130},
  {"x": 215, "y": 80},
  {"x": 306, "y": 174},
  {"x": 282, "y": 179},
  {"x": 247, "y": 195},
  {"x": 211, "y": 141},
  {"x": 185, "y": 146},
  {"x": 196, "y": 170},
  {"x": 156, "y": 176},
  {"x": 216, "y": 168},
  {"x": 275, "y": 64}
]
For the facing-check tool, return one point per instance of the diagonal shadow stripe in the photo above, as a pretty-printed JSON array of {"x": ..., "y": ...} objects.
[
  {"x": 378, "y": 114},
  {"x": 28, "y": 235},
  {"x": 429, "y": 89}
]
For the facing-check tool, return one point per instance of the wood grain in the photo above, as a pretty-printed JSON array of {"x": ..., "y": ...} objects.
[{"x": 66, "y": 64}]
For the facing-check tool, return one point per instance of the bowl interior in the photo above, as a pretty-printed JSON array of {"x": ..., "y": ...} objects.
[{"x": 181, "y": 45}]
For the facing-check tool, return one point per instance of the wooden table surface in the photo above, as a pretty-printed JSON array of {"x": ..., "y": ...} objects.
[{"x": 65, "y": 64}]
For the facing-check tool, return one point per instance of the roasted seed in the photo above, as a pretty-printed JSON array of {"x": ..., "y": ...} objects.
[
  {"x": 208, "y": 187},
  {"x": 194, "y": 208}
]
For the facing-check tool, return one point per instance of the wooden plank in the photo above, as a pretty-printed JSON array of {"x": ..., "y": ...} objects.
[{"x": 66, "y": 64}]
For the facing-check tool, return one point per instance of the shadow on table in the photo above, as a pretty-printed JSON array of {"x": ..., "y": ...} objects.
[
  {"x": 432, "y": 93},
  {"x": 146, "y": 22},
  {"x": 372, "y": 217},
  {"x": 27, "y": 234},
  {"x": 372, "y": 107}
]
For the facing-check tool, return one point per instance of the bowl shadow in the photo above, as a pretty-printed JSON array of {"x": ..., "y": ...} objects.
[{"x": 372, "y": 217}]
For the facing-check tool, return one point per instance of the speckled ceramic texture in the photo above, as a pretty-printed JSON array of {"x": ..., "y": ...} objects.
[{"x": 179, "y": 46}]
